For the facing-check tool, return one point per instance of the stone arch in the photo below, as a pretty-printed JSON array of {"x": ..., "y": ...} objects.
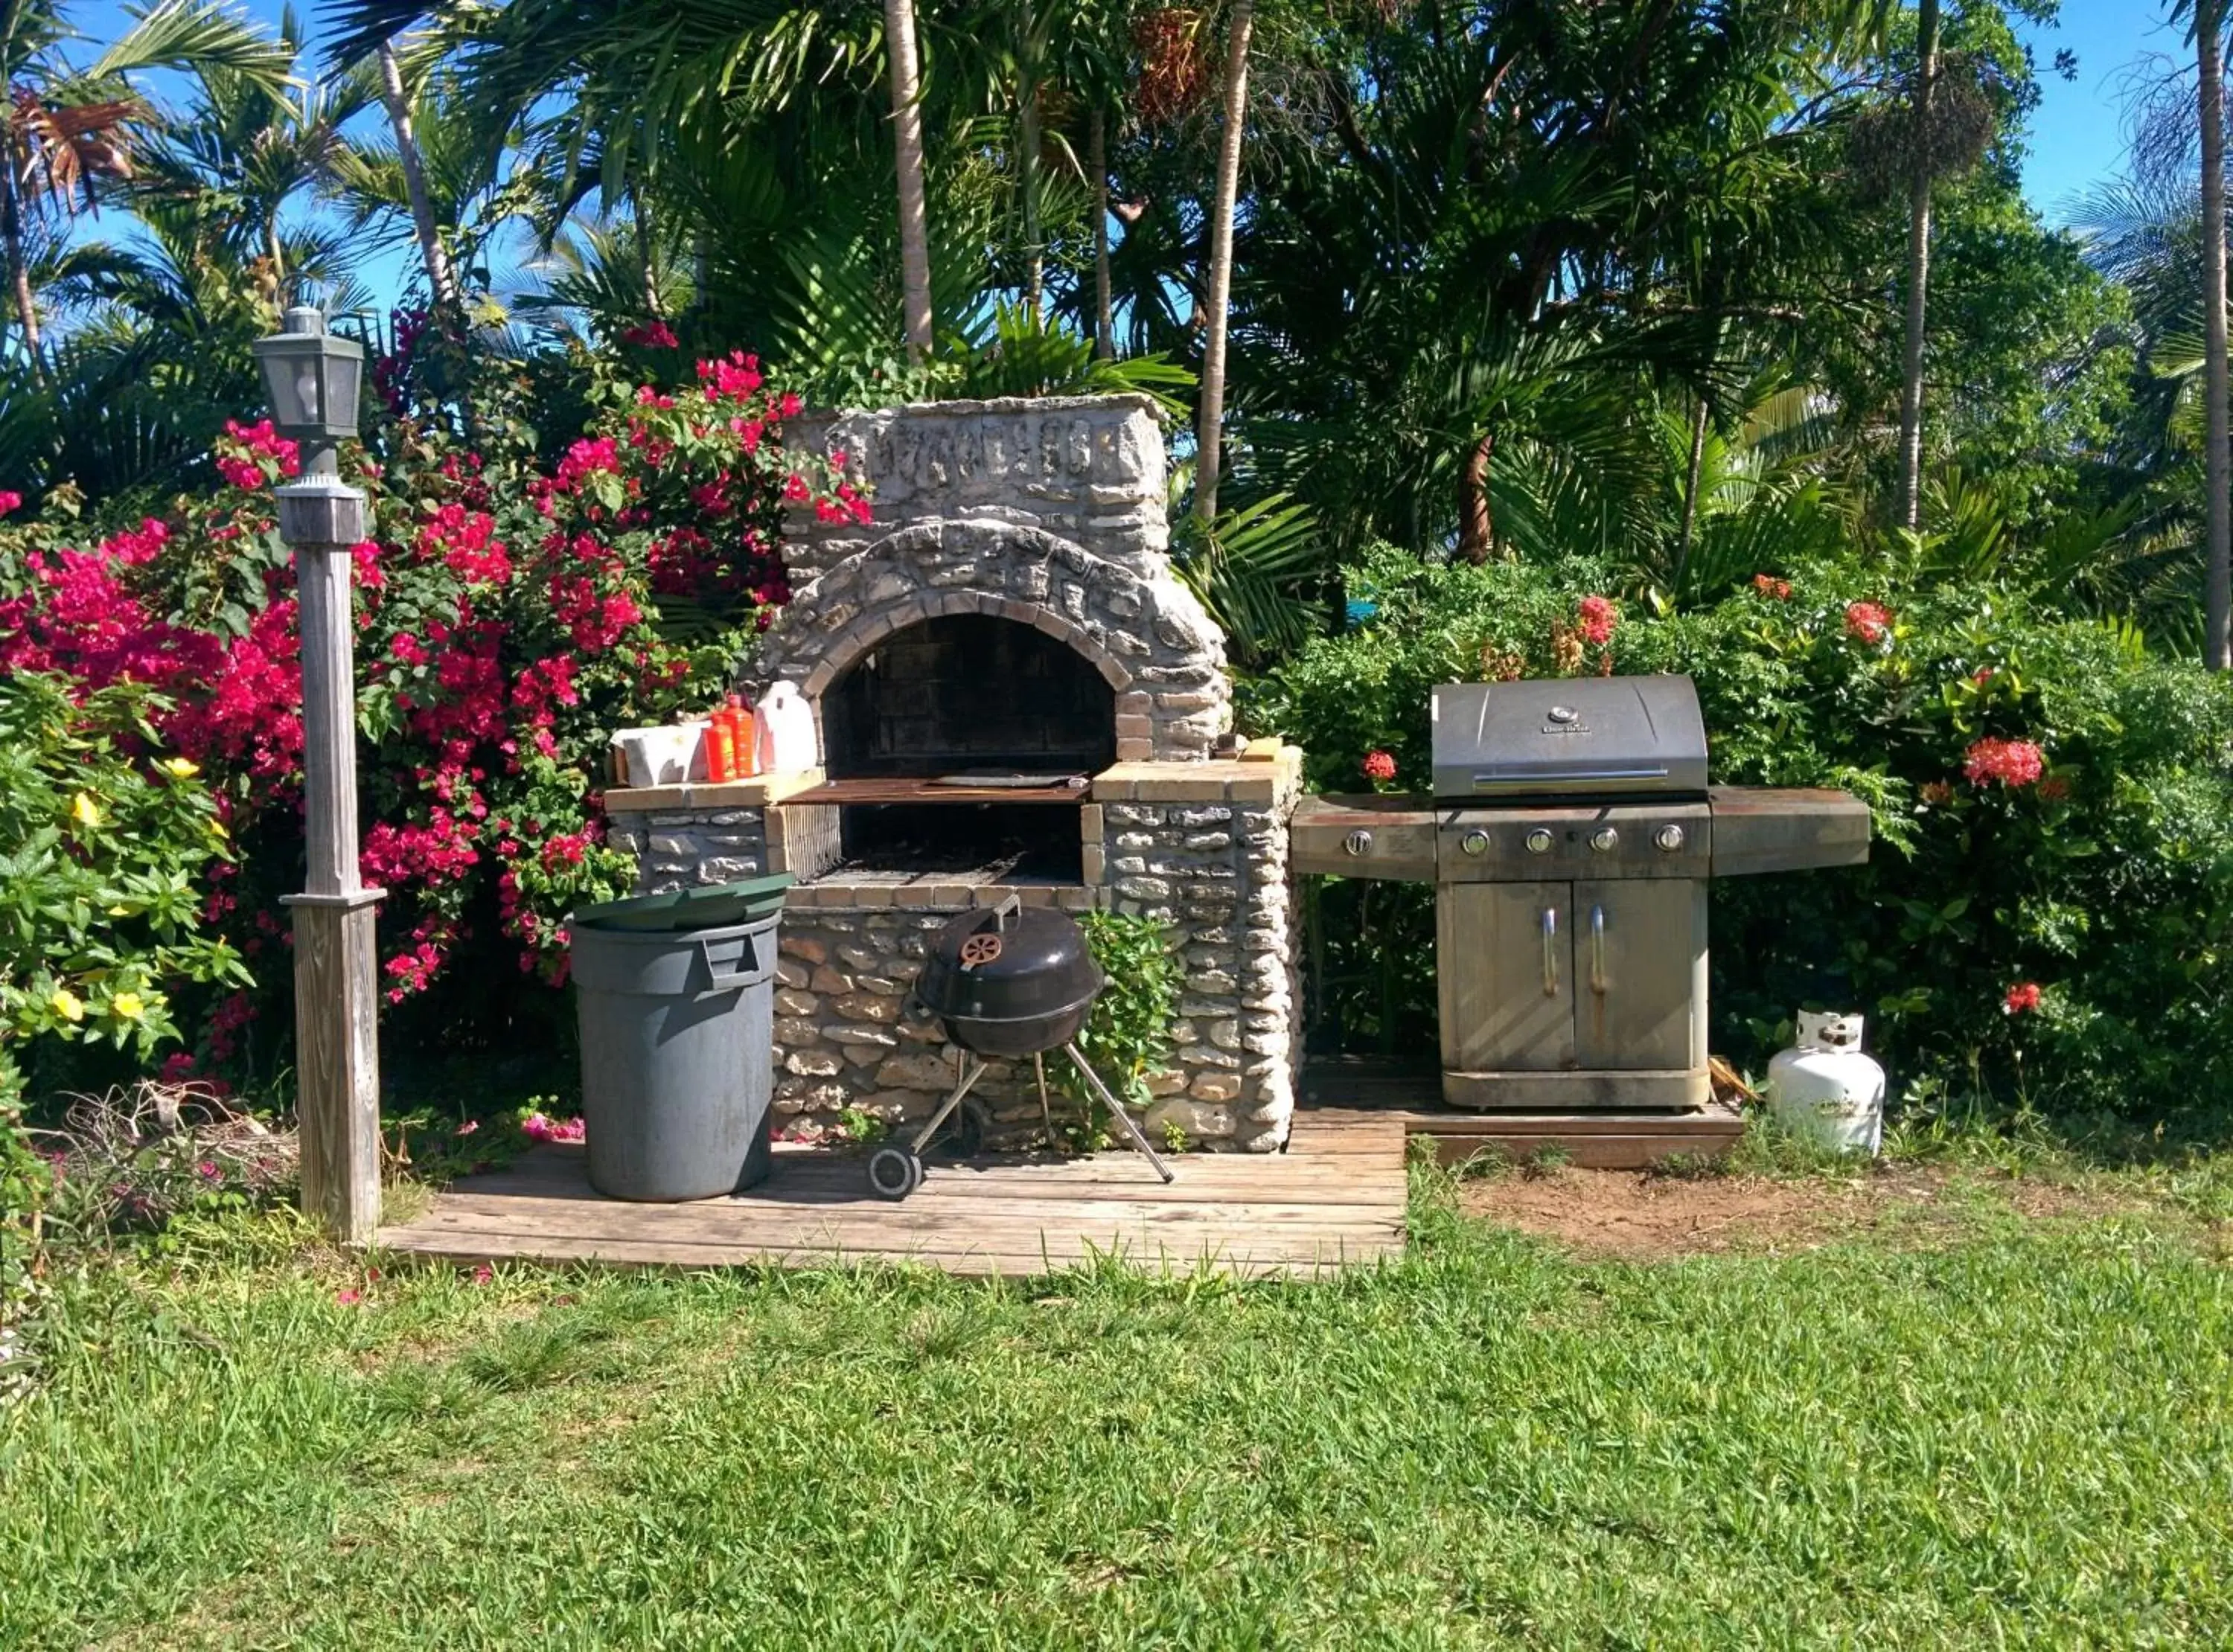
[{"x": 1139, "y": 627}]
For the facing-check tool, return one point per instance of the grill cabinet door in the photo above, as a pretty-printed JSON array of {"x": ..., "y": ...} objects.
[
  {"x": 1640, "y": 952},
  {"x": 1504, "y": 964}
]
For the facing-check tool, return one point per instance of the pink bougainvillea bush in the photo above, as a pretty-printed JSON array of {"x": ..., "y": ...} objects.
[{"x": 513, "y": 608}]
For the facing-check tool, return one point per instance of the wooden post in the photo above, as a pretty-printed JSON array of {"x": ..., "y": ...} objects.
[{"x": 336, "y": 1036}]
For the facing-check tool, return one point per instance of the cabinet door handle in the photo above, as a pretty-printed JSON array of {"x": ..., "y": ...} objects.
[
  {"x": 1597, "y": 951},
  {"x": 1550, "y": 951}
]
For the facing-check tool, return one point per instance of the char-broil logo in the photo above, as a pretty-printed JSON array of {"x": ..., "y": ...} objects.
[{"x": 1564, "y": 719}]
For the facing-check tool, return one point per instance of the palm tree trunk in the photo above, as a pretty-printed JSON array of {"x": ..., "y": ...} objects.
[
  {"x": 646, "y": 235},
  {"x": 1104, "y": 319},
  {"x": 1919, "y": 270},
  {"x": 1690, "y": 493},
  {"x": 1476, "y": 528},
  {"x": 1211, "y": 417},
  {"x": 19, "y": 272},
  {"x": 440, "y": 279},
  {"x": 2208, "y": 35},
  {"x": 1027, "y": 179},
  {"x": 907, "y": 139}
]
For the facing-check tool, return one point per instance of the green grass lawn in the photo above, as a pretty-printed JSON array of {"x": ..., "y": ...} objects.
[{"x": 1990, "y": 1431}]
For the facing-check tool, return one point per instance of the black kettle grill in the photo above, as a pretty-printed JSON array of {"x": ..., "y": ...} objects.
[{"x": 1006, "y": 981}]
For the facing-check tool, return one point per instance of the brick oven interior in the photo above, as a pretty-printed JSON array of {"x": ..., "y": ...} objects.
[{"x": 978, "y": 698}]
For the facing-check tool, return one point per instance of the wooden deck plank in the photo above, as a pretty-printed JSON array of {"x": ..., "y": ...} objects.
[{"x": 1336, "y": 1199}]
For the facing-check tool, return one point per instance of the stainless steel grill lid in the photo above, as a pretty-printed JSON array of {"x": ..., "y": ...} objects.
[{"x": 1571, "y": 737}]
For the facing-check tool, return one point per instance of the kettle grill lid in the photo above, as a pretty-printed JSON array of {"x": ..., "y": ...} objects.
[{"x": 1008, "y": 962}]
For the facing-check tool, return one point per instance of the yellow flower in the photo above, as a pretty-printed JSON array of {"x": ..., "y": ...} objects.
[
  {"x": 127, "y": 1006},
  {"x": 84, "y": 811},
  {"x": 68, "y": 1005},
  {"x": 181, "y": 768}
]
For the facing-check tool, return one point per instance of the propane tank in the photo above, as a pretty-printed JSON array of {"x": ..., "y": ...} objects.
[{"x": 1825, "y": 1089}]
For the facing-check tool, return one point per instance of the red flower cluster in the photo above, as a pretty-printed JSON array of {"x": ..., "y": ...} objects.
[
  {"x": 1379, "y": 767},
  {"x": 1869, "y": 622},
  {"x": 1598, "y": 616},
  {"x": 734, "y": 379},
  {"x": 1768, "y": 585},
  {"x": 652, "y": 336},
  {"x": 2022, "y": 998},
  {"x": 10, "y": 502},
  {"x": 2007, "y": 762},
  {"x": 254, "y": 456}
]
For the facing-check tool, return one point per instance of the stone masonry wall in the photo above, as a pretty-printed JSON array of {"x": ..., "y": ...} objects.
[
  {"x": 1199, "y": 847},
  {"x": 1049, "y": 513}
]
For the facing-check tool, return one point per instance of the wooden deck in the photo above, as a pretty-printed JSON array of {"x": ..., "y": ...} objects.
[{"x": 1335, "y": 1197}]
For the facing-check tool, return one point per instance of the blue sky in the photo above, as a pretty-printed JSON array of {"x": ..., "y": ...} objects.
[{"x": 2077, "y": 133}]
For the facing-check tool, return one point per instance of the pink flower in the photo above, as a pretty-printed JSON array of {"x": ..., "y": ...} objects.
[
  {"x": 1597, "y": 617},
  {"x": 1379, "y": 767},
  {"x": 483, "y": 1274},
  {"x": 2008, "y": 762},
  {"x": 537, "y": 1128},
  {"x": 207, "y": 1170},
  {"x": 1768, "y": 585},
  {"x": 655, "y": 335},
  {"x": 2022, "y": 998},
  {"x": 10, "y": 502},
  {"x": 1869, "y": 622},
  {"x": 347, "y": 1296},
  {"x": 470, "y": 1127}
]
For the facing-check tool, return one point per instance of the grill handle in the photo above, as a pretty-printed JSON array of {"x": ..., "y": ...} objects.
[
  {"x": 1011, "y": 907},
  {"x": 1550, "y": 951},
  {"x": 1558, "y": 777},
  {"x": 1597, "y": 951}
]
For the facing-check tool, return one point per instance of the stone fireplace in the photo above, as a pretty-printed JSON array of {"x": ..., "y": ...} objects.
[{"x": 1014, "y": 694}]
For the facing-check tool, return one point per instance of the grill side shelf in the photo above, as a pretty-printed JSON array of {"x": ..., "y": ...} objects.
[
  {"x": 1396, "y": 840},
  {"x": 1761, "y": 829}
]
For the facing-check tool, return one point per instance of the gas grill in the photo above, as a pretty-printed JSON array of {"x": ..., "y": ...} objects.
[{"x": 1570, "y": 836}]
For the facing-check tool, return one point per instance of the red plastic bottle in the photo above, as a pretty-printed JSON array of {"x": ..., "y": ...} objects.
[
  {"x": 743, "y": 744},
  {"x": 720, "y": 751}
]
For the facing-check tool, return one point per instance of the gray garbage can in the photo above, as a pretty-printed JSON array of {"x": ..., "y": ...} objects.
[{"x": 676, "y": 1028}]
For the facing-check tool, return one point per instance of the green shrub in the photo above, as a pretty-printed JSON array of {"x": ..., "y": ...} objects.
[
  {"x": 1128, "y": 1033},
  {"x": 2103, "y": 878},
  {"x": 104, "y": 843}
]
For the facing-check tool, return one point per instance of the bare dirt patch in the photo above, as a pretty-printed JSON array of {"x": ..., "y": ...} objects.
[{"x": 1639, "y": 1216}]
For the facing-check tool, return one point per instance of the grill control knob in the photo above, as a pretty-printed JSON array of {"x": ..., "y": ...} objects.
[
  {"x": 1605, "y": 839},
  {"x": 1669, "y": 838},
  {"x": 1539, "y": 841},
  {"x": 1474, "y": 842},
  {"x": 1358, "y": 842}
]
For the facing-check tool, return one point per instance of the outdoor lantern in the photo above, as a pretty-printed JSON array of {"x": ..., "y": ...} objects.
[{"x": 311, "y": 377}]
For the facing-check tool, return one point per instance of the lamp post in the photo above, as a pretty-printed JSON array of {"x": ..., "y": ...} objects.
[{"x": 312, "y": 378}]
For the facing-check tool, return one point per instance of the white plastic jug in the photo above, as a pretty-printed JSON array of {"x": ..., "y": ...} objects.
[
  {"x": 658, "y": 756},
  {"x": 785, "y": 724}
]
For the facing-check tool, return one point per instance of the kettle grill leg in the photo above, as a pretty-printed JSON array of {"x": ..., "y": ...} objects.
[
  {"x": 970, "y": 1074},
  {"x": 1116, "y": 1111}
]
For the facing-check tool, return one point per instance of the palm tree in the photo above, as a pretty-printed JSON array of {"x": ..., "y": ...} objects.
[
  {"x": 1918, "y": 266},
  {"x": 1210, "y": 417},
  {"x": 904, "y": 76},
  {"x": 2208, "y": 34},
  {"x": 67, "y": 130}
]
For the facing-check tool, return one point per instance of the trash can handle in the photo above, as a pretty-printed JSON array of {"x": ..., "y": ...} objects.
[{"x": 719, "y": 982}]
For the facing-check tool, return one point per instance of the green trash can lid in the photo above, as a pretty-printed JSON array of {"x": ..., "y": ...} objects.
[{"x": 713, "y": 906}]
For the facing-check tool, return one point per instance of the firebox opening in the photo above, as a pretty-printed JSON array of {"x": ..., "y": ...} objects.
[
  {"x": 970, "y": 842},
  {"x": 969, "y": 693}
]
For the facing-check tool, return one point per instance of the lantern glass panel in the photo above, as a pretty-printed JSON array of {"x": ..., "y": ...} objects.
[{"x": 343, "y": 374}]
